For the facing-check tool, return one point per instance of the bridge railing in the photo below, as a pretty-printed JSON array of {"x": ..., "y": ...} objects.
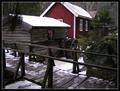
[{"x": 51, "y": 58}]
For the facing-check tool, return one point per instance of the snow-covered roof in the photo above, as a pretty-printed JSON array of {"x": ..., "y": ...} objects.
[
  {"x": 74, "y": 9},
  {"x": 36, "y": 21}
]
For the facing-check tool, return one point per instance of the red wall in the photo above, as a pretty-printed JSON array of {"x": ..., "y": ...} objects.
[{"x": 58, "y": 11}]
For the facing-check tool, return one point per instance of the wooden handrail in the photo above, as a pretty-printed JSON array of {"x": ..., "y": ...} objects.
[
  {"x": 64, "y": 49},
  {"x": 67, "y": 60}
]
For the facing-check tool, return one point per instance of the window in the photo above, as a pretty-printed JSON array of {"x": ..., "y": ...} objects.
[
  {"x": 81, "y": 25},
  {"x": 86, "y": 25}
]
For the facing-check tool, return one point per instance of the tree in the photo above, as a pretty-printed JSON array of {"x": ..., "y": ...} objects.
[
  {"x": 102, "y": 24},
  {"x": 99, "y": 41},
  {"x": 18, "y": 8},
  {"x": 26, "y": 8}
]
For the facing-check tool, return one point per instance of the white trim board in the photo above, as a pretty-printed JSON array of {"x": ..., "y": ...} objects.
[{"x": 74, "y": 9}]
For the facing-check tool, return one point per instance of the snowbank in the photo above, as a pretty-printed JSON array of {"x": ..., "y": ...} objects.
[
  {"x": 68, "y": 66},
  {"x": 25, "y": 84}
]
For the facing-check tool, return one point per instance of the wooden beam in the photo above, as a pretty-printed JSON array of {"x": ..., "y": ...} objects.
[
  {"x": 69, "y": 61},
  {"x": 15, "y": 51},
  {"x": 75, "y": 66},
  {"x": 30, "y": 56},
  {"x": 4, "y": 60},
  {"x": 70, "y": 50},
  {"x": 50, "y": 66},
  {"x": 17, "y": 69},
  {"x": 3, "y": 69},
  {"x": 22, "y": 65},
  {"x": 49, "y": 72}
]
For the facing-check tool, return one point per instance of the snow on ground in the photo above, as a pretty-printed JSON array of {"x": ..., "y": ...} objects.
[
  {"x": 25, "y": 84},
  {"x": 59, "y": 64},
  {"x": 65, "y": 69},
  {"x": 26, "y": 59},
  {"x": 68, "y": 66},
  {"x": 64, "y": 66},
  {"x": 9, "y": 56},
  {"x": 8, "y": 65}
]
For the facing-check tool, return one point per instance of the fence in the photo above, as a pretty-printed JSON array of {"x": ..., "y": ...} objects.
[{"x": 51, "y": 58}]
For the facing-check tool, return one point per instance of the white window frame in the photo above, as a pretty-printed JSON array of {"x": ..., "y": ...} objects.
[
  {"x": 86, "y": 25},
  {"x": 81, "y": 25}
]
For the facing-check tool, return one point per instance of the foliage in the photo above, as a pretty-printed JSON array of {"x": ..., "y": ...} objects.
[
  {"x": 99, "y": 28},
  {"x": 104, "y": 17},
  {"x": 107, "y": 45},
  {"x": 103, "y": 24},
  {"x": 85, "y": 41},
  {"x": 18, "y": 8},
  {"x": 27, "y": 8}
]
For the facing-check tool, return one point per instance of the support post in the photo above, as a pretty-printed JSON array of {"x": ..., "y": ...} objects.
[
  {"x": 22, "y": 65},
  {"x": 17, "y": 69},
  {"x": 75, "y": 66},
  {"x": 3, "y": 69},
  {"x": 15, "y": 54},
  {"x": 4, "y": 60},
  {"x": 50, "y": 66},
  {"x": 49, "y": 72},
  {"x": 30, "y": 56}
]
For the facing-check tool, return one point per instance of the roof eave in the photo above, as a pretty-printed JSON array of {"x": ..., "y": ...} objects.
[
  {"x": 74, "y": 13},
  {"x": 51, "y": 5},
  {"x": 85, "y": 17}
]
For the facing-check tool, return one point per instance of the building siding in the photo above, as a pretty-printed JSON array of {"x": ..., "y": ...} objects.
[{"x": 58, "y": 11}]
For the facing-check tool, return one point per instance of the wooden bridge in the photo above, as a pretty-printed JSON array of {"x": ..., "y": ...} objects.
[
  {"x": 48, "y": 76},
  {"x": 61, "y": 79}
]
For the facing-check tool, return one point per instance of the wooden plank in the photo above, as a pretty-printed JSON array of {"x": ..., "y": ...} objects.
[
  {"x": 39, "y": 35},
  {"x": 16, "y": 35},
  {"x": 83, "y": 83},
  {"x": 65, "y": 82},
  {"x": 75, "y": 82},
  {"x": 59, "y": 34},
  {"x": 60, "y": 78}
]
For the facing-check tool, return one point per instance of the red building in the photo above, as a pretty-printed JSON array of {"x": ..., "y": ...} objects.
[{"x": 71, "y": 14}]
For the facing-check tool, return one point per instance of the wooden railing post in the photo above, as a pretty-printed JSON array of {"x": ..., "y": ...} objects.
[
  {"x": 4, "y": 60},
  {"x": 17, "y": 69},
  {"x": 49, "y": 72},
  {"x": 3, "y": 68},
  {"x": 30, "y": 56},
  {"x": 22, "y": 65},
  {"x": 15, "y": 51},
  {"x": 75, "y": 66}
]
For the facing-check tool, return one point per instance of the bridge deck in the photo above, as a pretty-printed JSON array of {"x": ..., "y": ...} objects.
[{"x": 62, "y": 79}]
